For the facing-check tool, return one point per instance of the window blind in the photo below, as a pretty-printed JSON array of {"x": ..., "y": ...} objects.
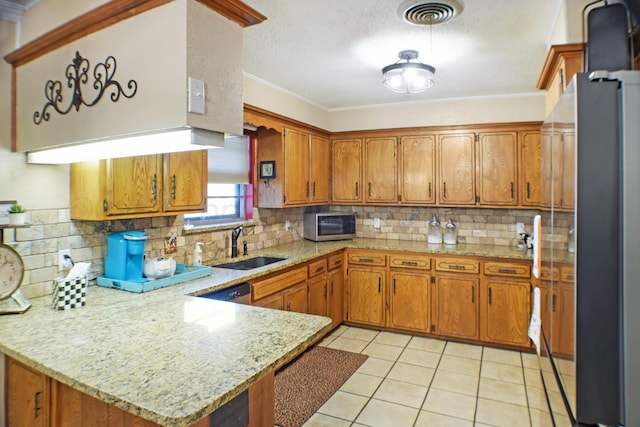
[{"x": 230, "y": 164}]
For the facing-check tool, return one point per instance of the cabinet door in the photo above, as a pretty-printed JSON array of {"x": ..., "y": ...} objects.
[
  {"x": 365, "y": 297},
  {"x": 417, "y": 170},
  {"x": 551, "y": 151},
  {"x": 274, "y": 301},
  {"x": 27, "y": 396},
  {"x": 380, "y": 170},
  {"x": 74, "y": 408},
  {"x": 296, "y": 167},
  {"x": 185, "y": 181},
  {"x": 295, "y": 298},
  {"x": 497, "y": 164},
  {"x": 318, "y": 295},
  {"x": 335, "y": 284},
  {"x": 507, "y": 312},
  {"x": 134, "y": 184},
  {"x": 568, "y": 171},
  {"x": 456, "y": 308},
  {"x": 530, "y": 173},
  {"x": 346, "y": 169},
  {"x": 319, "y": 170},
  {"x": 564, "y": 319},
  {"x": 457, "y": 169},
  {"x": 409, "y": 301}
]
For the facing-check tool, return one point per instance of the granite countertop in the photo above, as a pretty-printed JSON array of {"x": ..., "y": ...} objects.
[{"x": 173, "y": 358}]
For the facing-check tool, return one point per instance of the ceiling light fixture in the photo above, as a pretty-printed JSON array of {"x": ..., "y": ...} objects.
[{"x": 408, "y": 75}]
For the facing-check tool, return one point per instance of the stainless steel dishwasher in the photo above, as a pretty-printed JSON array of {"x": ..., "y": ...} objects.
[{"x": 240, "y": 293}]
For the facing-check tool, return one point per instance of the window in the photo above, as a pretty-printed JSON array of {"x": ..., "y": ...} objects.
[{"x": 228, "y": 176}]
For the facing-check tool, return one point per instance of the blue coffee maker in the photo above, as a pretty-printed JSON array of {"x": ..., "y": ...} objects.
[{"x": 125, "y": 256}]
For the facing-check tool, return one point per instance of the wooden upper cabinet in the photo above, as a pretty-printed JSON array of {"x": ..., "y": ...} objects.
[
  {"x": 319, "y": 169},
  {"x": 551, "y": 152},
  {"x": 568, "y": 170},
  {"x": 530, "y": 170},
  {"x": 346, "y": 166},
  {"x": 457, "y": 169},
  {"x": 381, "y": 170},
  {"x": 417, "y": 171},
  {"x": 497, "y": 168},
  {"x": 562, "y": 63},
  {"x": 134, "y": 184},
  {"x": 296, "y": 167},
  {"x": 301, "y": 167},
  {"x": 185, "y": 184},
  {"x": 140, "y": 186}
]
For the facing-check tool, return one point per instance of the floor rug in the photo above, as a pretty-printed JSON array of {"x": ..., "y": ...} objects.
[{"x": 303, "y": 386}]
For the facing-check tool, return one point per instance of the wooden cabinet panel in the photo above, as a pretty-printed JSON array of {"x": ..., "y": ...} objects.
[
  {"x": 346, "y": 167},
  {"x": 134, "y": 184},
  {"x": 335, "y": 284},
  {"x": 296, "y": 167},
  {"x": 274, "y": 301},
  {"x": 318, "y": 295},
  {"x": 363, "y": 257},
  {"x": 365, "y": 297},
  {"x": 319, "y": 169},
  {"x": 27, "y": 396},
  {"x": 406, "y": 260},
  {"x": 456, "y": 307},
  {"x": 551, "y": 151},
  {"x": 381, "y": 170},
  {"x": 507, "y": 269},
  {"x": 463, "y": 265},
  {"x": 263, "y": 287},
  {"x": 568, "y": 171},
  {"x": 75, "y": 409},
  {"x": 497, "y": 168},
  {"x": 295, "y": 298},
  {"x": 507, "y": 312},
  {"x": 417, "y": 171},
  {"x": 336, "y": 260},
  {"x": 457, "y": 169},
  {"x": 409, "y": 301},
  {"x": 316, "y": 268},
  {"x": 530, "y": 171},
  {"x": 185, "y": 181}
]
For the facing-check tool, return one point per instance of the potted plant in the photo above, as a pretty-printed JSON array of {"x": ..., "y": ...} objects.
[{"x": 17, "y": 214}]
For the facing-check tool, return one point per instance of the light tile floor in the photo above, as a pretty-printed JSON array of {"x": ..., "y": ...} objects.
[{"x": 416, "y": 381}]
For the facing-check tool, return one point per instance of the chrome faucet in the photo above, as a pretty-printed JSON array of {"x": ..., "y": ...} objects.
[{"x": 235, "y": 233}]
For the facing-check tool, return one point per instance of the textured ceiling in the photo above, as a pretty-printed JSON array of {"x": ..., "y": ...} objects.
[{"x": 331, "y": 52}]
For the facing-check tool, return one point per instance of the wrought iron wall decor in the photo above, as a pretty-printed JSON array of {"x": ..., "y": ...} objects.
[{"x": 77, "y": 77}]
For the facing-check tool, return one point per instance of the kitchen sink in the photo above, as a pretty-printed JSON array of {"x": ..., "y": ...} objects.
[{"x": 250, "y": 263}]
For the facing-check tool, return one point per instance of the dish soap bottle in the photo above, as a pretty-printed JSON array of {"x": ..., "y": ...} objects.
[
  {"x": 435, "y": 232},
  {"x": 197, "y": 254},
  {"x": 450, "y": 233}
]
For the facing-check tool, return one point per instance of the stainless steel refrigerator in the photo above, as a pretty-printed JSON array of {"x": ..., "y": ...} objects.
[{"x": 590, "y": 172}]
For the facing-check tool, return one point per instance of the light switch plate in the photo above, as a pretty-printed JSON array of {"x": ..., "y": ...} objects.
[
  {"x": 196, "y": 96},
  {"x": 519, "y": 227},
  {"x": 376, "y": 222}
]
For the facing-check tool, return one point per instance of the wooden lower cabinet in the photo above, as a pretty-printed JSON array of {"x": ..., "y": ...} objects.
[
  {"x": 36, "y": 400},
  {"x": 365, "y": 295},
  {"x": 27, "y": 396},
  {"x": 295, "y": 298},
  {"x": 409, "y": 301},
  {"x": 506, "y": 312},
  {"x": 455, "y": 304},
  {"x": 318, "y": 295},
  {"x": 335, "y": 289}
]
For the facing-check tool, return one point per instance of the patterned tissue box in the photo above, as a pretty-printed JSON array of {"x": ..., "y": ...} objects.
[{"x": 69, "y": 294}]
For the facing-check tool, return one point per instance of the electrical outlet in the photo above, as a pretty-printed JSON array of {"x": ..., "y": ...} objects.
[
  {"x": 376, "y": 222},
  {"x": 287, "y": 225},
  {"x": 519, "y": 227},
  {"x": 63, "y": 263}
]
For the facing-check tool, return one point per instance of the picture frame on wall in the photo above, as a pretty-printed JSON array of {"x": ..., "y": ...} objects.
[{"x": 268, "y": 169}]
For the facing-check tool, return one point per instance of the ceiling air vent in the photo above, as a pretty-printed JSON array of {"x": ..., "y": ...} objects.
[{"x": 419, "y": 12}]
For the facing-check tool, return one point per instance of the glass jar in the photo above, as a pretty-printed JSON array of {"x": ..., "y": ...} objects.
[
  {"x": 450, "y": 233},
  {"x": 571, "y": 242},
  {"x": 435, "y": 231}
]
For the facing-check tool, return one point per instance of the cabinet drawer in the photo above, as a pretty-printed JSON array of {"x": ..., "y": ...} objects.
[
  {"x": 316, "y": 268},
  {"x": 336, "y": 261},
  {"x": 262, "y": 288},
  {"x": 367, "y": 258},
  {"x": 567, "y": 273},
  {"x": 508, "y": 269},
  {"x": 462, "y": 265},
  {"x": 421, "y": 262},
  {"x": 548, "y": 273}
]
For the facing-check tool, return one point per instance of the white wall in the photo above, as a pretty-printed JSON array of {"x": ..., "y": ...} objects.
[{"x": 568, "y": 25}]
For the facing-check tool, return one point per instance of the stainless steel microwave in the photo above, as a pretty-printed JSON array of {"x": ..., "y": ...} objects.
[{"x": 320, "y": 227}]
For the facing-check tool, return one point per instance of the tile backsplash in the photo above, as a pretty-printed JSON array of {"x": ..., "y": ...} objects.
[{"x": 51, "y": 230}]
